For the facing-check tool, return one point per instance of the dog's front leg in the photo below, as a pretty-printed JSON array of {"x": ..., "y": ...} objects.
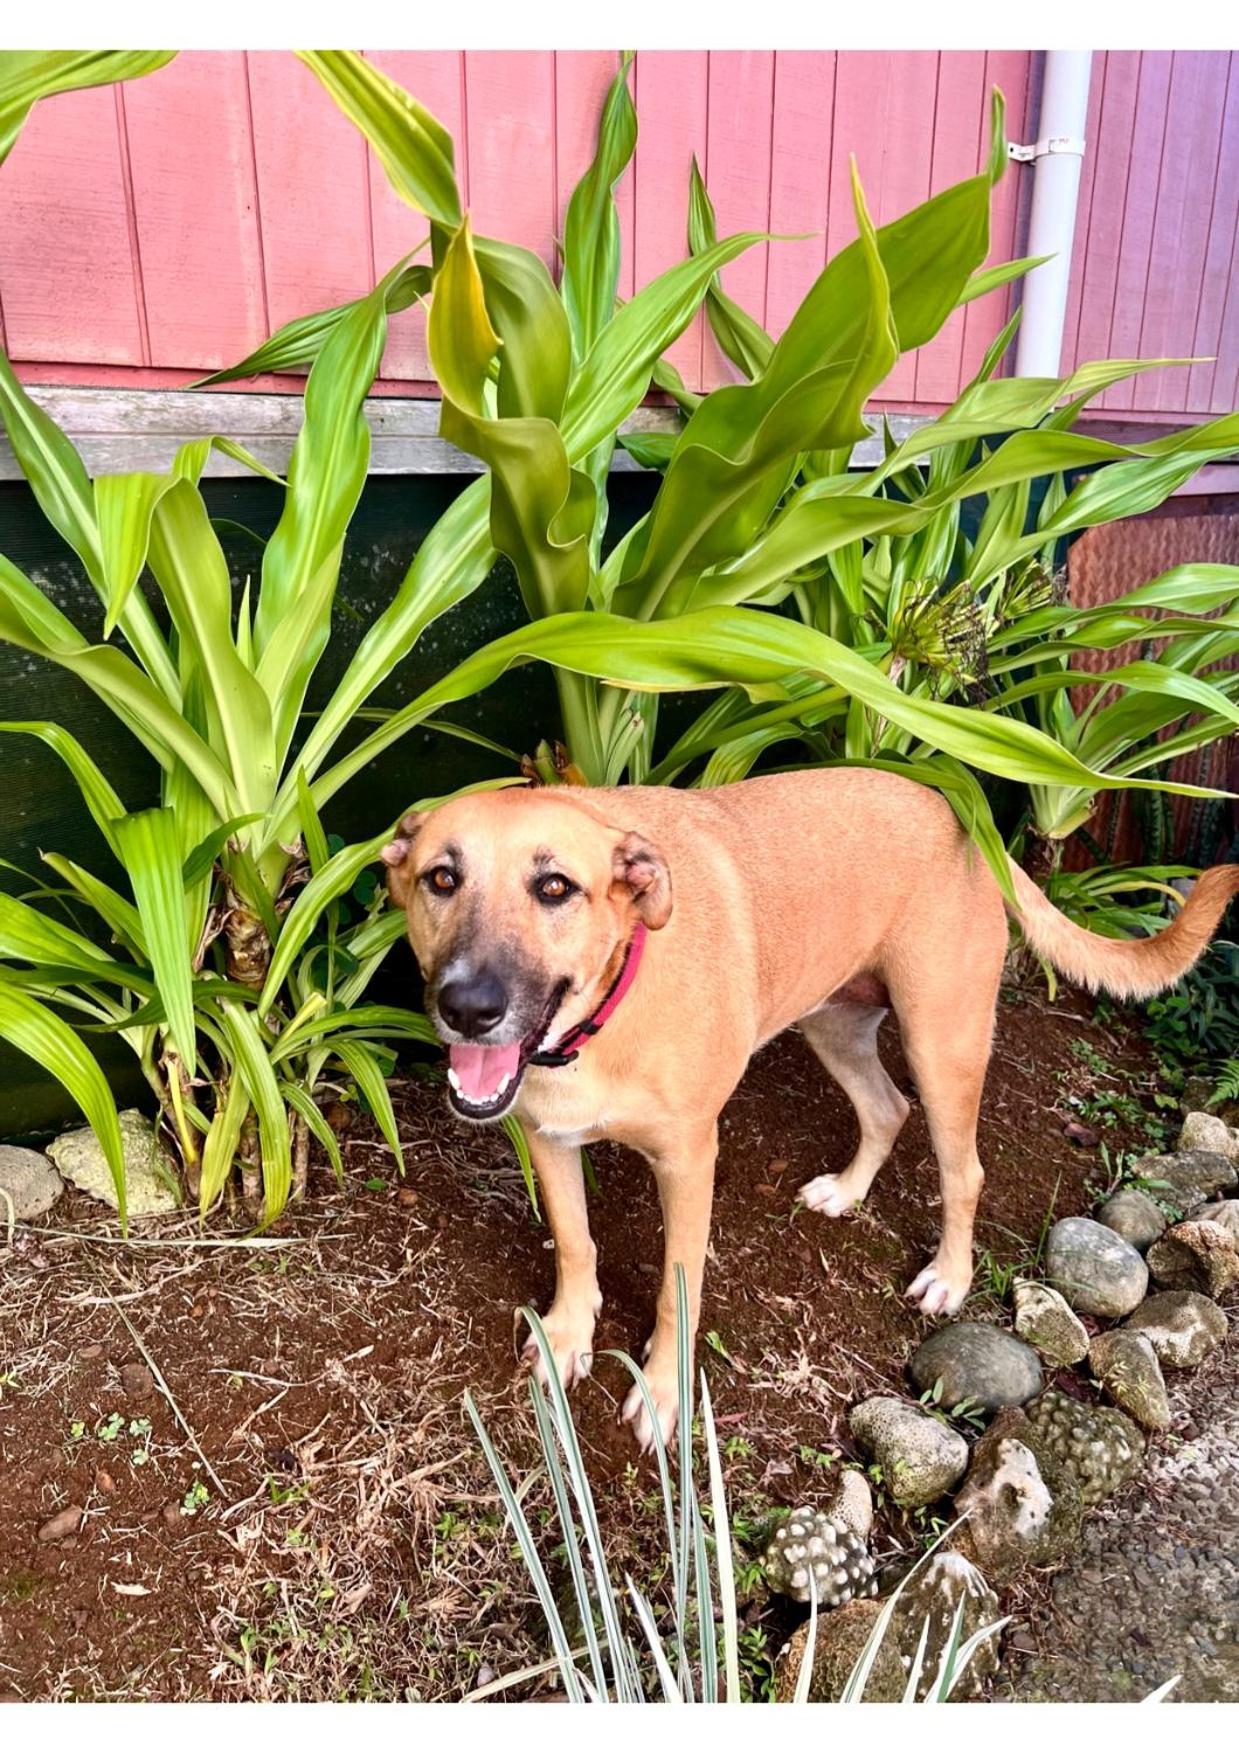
[
  {"x": 684, "y": 1171},
  {"x": 569, "y": 1321}
]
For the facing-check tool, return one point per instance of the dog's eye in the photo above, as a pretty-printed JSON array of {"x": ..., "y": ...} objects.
[
  {"x": 554, "y": 888},
  {"x": 441, "y": 880}
]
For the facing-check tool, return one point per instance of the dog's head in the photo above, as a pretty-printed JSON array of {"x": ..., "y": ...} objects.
[{"x": 519, "y": 905}]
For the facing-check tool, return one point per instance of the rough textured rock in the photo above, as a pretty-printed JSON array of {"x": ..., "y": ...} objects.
[
  {"x": 1196, "y": 1256},
  {"x": 31, "y": 1183},
  {"x": 976, "y": 1361},
  {"x": 1187, "y": 1178},
  {"x": 841, "y": 1636},
  {"x": 921, "y": 1457},
  {"x": 808, "y": 1543},
  {"x": 1209, "y": 1132},
  {"x": 1182, "y": 1326},
  {"x": 934, "y": 1592},
  {"x": 851, "y": 1506},
  {"x": 1098, "y": 1445},
  {"x": 1126, "y": 1365},
  {"x": 149, "y": 1181},
  {"x": 1022, "y": 1503},
  {"x": 1095, "y": 1269},
  {"x": 1224, "y": 1212},
  {"x": 1046, "y": 1320},
  {"x": 1134, "y": 1216}
]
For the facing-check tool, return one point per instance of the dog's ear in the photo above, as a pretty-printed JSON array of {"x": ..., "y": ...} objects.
[
  {"x": 641, "y": 871},
  {"x": 395, "y": 856}
]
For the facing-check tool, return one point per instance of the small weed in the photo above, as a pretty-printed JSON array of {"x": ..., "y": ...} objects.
[
  {"x": 195, "y": 1499},
  {"x": 969, "y": 1410},
  {"x": 756, "y": 1665}
]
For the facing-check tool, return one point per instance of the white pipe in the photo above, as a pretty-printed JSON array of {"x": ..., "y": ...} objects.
[{"x": 1057, "y": 159}]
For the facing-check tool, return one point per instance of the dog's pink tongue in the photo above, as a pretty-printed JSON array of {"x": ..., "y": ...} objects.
[{"x": 482, "y": 1069}]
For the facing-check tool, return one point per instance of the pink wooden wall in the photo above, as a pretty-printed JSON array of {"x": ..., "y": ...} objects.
[{"x": 151, "y": 232}]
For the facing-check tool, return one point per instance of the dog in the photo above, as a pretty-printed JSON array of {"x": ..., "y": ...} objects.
[{"x": 604, "y": 963}]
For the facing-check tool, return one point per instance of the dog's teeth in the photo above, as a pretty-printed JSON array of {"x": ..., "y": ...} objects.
[
  {"x": 454, "y": 1081},
  {"x": 504, "y": 1081}
]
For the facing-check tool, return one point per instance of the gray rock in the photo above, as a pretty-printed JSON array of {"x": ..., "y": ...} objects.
[
  {"x": 1134, "y": 1216},
  {"x": 1126, "y": 1365},
  {"x": 1045, "y": 1319},
  {"x": 976, "y": 1361},
  {"x": 1095, "y": 1269},
  {"x": 1098, "y": 1445},
  {"x": 1196, "y": 1256},
  {"x": 1224, "y": 1212},
  {"x": 1209, "y": 1132},
  {"x": 810, "y": 1548},
  {"x": 841, "y": 1638},
  {"x": 150, "y": 1182},
  {"x": 1188, "y": 1177},
  {"x": 1182, "y": 1326},
  {"x": 921, "y": 1457},
  {"x": 934, "y": 1593},
  {"x": 30, "y": 1181},
  {"x": 851, "y": 1505},
  {"x": 1022, "y": 1504}
]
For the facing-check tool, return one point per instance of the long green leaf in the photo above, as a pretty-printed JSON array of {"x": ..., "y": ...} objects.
[
  {"x": 29, "y": 75},
  {"x": 42, "y": 1036},
  {"x": 591, "y": 225},
  {"x": 253, "y": 1066},
  {"x": 151, "y": 851},
  {"x": 414, "y": 149}
]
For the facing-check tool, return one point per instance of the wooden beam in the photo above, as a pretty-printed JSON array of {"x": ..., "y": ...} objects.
[{"x": 119, "y": 430}]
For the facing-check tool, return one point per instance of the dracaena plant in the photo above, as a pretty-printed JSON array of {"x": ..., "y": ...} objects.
[
  {"x": 756, "y": 509},
  {"x": 881, "y": 561}
]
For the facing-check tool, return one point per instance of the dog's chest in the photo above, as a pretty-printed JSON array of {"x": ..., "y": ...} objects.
[{"x": 570, "y": 1104}]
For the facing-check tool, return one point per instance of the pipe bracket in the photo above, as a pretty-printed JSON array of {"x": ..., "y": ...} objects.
[{"x": 1065, "y": 143}]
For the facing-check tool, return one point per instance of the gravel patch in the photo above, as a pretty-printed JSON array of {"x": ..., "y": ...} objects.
[{"x": 1154, "y": 1589}]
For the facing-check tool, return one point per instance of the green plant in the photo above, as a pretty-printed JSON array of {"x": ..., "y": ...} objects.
[{"x": 756, "y": 506}]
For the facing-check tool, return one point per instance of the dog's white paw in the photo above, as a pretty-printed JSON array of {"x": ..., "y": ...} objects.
[
  {"x": 831, "y": 1195},
  {"x": 571, "y": 1344},
  {"x": 937, "y": 1291},
  {"x": 665, "y": 1398}
]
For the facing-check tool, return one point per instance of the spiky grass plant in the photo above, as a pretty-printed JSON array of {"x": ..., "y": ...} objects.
[{"x": 689, "y": 1653}]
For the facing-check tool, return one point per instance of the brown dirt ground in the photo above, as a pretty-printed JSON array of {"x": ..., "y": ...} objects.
[{"x": 348, "y": 1542}]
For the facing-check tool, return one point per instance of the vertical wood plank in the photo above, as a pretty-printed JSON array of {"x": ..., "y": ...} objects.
[
  {"x": 67, "y": 273},
  {"x": 672, "y": 88},
  {"x": 1211, "y": 334},
  {"x": 1100, "y": 250},
  {"x": 1185, "y": 209},
  {"x": 959, "y": 133},
  {"x": 738, "y": 148},
  {"x": 1139, "y": 212},
  {"x": 313, "y": 190},
  {"x": 435, "y": 77},
  {"x": 510, "y": 121},
  {"x": 582, "y": 80},
  {"x": 884, "y": 115},
  {"x": 195, "y": 207},
  {"x": 1011, "y": 71},
  {"x": 804, "y": 109}
]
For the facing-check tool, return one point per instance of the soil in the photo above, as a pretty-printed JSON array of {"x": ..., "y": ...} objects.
[{"x": 307, "y": 1514}]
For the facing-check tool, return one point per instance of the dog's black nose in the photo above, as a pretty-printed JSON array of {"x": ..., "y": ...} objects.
[{"x": 474, "y": 1003}]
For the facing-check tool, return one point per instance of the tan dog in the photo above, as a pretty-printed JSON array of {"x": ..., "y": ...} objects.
[{"x": 816, "y": 898}]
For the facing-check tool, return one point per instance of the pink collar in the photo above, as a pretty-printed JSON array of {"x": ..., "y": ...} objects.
[{"x": 576, "y": 1037}]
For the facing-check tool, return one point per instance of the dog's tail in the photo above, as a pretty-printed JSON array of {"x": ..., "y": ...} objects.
[{"x": 1125, "y": 967}]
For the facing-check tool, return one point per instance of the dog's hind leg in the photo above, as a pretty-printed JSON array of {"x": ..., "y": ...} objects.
[
  {"x": 947, "y": 1032},
  {"x": 845, "y": 1039}
]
